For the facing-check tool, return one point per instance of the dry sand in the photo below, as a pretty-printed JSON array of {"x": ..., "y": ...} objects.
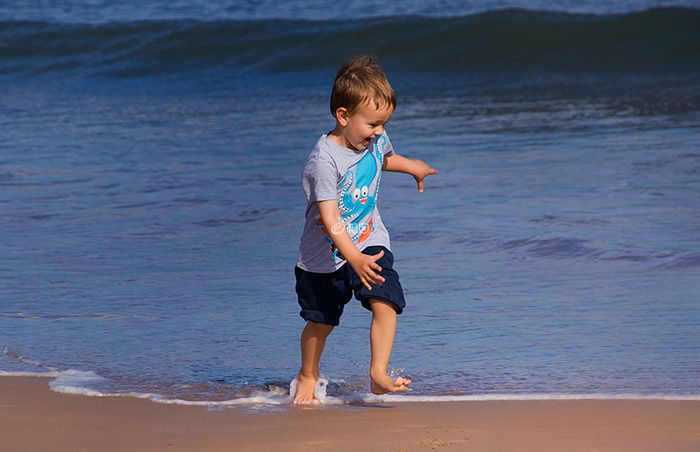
[{"x": 33, "y": 418}]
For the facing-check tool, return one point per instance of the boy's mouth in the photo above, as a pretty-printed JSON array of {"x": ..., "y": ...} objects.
[{"x": 363, "y": 200}]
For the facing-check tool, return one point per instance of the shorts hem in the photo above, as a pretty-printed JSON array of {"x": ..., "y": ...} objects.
[
  {"x": 318, "y": 317},
  {"x": 365, "y": 303}
]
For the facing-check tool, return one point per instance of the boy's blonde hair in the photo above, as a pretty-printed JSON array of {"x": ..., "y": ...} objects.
[{"x": 358, "y": 81}]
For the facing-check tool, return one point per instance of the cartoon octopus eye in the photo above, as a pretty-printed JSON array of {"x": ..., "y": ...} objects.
[
  {"x": 356, "y": 194},
  {"x": 365, "y": 190}
]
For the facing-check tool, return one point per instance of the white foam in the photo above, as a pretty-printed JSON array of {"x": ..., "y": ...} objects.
[
  {"x": 319, "y": 390},
  {"x": 252, "y": 400},
  {"x": 274, "y": 396},
  {"x": 4, "y": 373},
  {"x": 79, "y": 382},
  {"x": 519, "y": 397},
  {"x": 75, "y": 381}
]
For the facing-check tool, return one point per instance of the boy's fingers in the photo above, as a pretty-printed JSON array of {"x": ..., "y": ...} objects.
[
  {"x": 375, "y": 276},
  {"x": 420, "y": 182},
  {"x": 372, "y": 278},
  {"x": 372, "y": 272}
]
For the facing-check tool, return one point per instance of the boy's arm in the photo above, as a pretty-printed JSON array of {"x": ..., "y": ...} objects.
[
  {"x": 416, "y": 168},
  {"x": 364, "y": 265}
]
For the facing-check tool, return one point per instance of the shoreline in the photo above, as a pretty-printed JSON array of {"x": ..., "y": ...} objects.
[
  {"x": 276, "y": 398},
  {"x": 34, "y": 418}
]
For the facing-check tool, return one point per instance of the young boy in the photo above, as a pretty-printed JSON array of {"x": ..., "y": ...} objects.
[{"x": 345, "y": 246}]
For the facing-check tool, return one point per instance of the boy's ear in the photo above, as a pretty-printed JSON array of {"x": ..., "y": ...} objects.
[{"x": 341, "y": 115}]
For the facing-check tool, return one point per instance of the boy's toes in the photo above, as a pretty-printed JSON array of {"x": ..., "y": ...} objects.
[
  {"x": 304, "y": 394},
  {"x": 402, "y": 382},
  {"x": 306, "y": 401},
  {"x": 386, "y": 384}
]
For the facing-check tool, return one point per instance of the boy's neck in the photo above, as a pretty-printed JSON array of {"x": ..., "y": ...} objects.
[{"x": 337, "y": 137}]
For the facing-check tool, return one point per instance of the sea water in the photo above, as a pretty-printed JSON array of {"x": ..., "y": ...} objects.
[{"x": 151, "y": 208}]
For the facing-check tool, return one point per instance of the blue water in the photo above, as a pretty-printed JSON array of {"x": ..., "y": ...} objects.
[{"x": 151, "y": 208}]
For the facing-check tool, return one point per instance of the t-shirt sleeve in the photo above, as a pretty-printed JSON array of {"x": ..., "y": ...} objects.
[
  {"x": 388, "y": 148},
  {"x": 320, "y": 179}
]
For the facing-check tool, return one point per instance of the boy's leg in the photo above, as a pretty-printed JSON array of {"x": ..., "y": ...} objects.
[
  {"x": 313, "y": 339},
  {"x": 322, "y": 297},
  {"x": 382, "y": 333}
]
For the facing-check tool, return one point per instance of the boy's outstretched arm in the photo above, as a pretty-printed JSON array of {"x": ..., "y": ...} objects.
[
  {"x": 416, "y": 168},
  {"x": 364, "y": 265}
]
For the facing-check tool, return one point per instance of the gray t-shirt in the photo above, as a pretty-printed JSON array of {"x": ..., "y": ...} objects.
[{"x": 334, "y": 172}]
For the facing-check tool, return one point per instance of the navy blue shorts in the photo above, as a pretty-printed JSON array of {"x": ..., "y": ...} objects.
[{"x": 322, "y": 296}]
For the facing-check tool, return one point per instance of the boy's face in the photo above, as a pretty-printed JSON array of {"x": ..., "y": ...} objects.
[{"x": 365, "y": 123}]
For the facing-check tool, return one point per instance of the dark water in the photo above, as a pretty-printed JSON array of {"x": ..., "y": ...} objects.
[{"x": 150, "y": 205}]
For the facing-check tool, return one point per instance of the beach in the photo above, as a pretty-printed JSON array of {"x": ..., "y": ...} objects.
[
  {"x": 151, "y": 210},
  {"x": 33, "y": 418}
]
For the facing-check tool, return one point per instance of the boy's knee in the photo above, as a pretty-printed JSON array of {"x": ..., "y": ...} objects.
[
  {"x": 321, "y": 328},
  {"x": 381, "y": 305}
]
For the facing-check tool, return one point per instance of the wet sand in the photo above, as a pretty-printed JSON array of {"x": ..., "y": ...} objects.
[{"x": 33, "y": 418}]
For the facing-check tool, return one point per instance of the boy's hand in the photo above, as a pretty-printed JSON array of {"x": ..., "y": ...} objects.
[
  {"x": 421, "y": 170},
  {"x": 364, "y": 265},
  {"x": 416, "y": 168},
  {"x": 367, "y": 268}
]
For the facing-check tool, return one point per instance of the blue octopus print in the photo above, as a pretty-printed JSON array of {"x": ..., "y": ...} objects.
[{"x": 359, "y": 188}]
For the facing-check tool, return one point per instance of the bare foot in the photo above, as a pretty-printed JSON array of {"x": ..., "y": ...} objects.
[
  {"x": 384, "y": 383},
  {"x": 305, "y": 391}
]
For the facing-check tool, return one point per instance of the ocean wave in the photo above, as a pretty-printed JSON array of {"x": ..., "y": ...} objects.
[
  {"x": 92, "y": 11},
  {"x": 684, "y": 261},
  {"x": 45, "y": 370},
  {"x": 555, "y": 247},
  {"x": 78, "y": 382},
  {"x": 280, "y": 393},
  {"x": 564, "y": 247},
  {"x": 663, "y": 40}
]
